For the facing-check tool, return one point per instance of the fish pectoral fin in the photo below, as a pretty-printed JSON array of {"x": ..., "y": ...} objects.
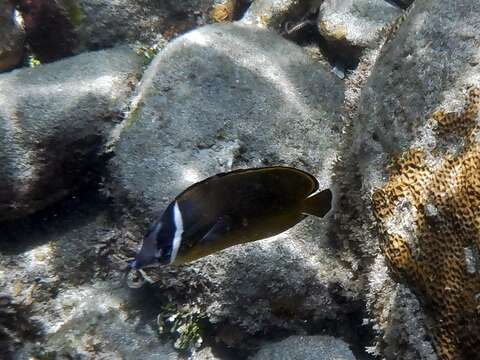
[
  {"x": 318, "y": 204},
  {"x": 221, "y": 227}
]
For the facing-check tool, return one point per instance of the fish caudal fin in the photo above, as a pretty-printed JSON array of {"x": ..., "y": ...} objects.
[{"x": 318, "y": 204}]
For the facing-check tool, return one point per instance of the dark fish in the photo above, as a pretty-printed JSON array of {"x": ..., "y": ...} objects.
[{"x": 229, "y": 209}]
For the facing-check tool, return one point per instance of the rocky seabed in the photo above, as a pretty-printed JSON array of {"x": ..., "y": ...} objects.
[{"x": 109, "y": 109}]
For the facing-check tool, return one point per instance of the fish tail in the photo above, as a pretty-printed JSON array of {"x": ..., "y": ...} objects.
[{"x": 318, "y": 204}]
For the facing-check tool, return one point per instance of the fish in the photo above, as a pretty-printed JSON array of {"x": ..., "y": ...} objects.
[{"x": 229, "y": 209}]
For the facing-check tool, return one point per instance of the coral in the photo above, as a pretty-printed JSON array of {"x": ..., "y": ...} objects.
[
  {"x": 183, "y": 323},
  {"x": 429, "y": 220}
]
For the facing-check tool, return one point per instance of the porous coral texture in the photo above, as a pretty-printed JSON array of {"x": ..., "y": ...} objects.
[{"x": 429, "y": 220}]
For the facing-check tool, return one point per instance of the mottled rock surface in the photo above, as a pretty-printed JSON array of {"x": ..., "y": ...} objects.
[
  {"x": 418, "y": 129},
  {"x": 63, "y": 305},
  {"x": 12, "y": 39},
  {"x": 225, "y": 97},
  {"x": 56, "y": 29},
  {"x": 306, "y": 348},
  {"x": 350, "y": 26},
  {"x": 53, "y": 120},
  {"x": 273, "y": 14},
  {"x": 398, "y": 256},
  {"x": 100, "y": 24},
  {"x": 221, "y": 97},
  {"x": 205, "y": 354}
]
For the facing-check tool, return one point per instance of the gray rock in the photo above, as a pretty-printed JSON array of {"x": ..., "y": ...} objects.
[
  {"x": 225, "y": 97},
  {"x": 398, "y": 317},
  {"x": 410, "y": 81},
  {"x": 12, "y": 40},
  {"x": 247, "y": 110},
  {"x": 306, "y": 348},
  {"x": 352, "y": 25},
  {"x": 101, "y": 24},
  {"x": 273, "y": 14},
  {"x": 57, "y": 29},
  {"x": 53, "y": 120},
  {"x": 205, "y": 354},
  {"x": 54, "y": 271},
  {"x": 426, "y": 67}
]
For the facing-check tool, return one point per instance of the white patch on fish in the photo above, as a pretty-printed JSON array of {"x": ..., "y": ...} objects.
[{"x": 177, "y": 239}]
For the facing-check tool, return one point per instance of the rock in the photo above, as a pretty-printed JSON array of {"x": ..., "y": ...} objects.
[
  {"x": 399, "y": 318},
  {"x": 224, "y": 97},
  {"x": 205, "y": 354},
  {"x": 53, "y": 121},
  {"x": 54, "y": 269},
  {"x": 12, "y": 41},
  {"x": 306, "y": 348},
  {"x": 245, "y": 111},
  {"x": 418, "y": 153},
  {"x": 101, "y": 24},
  {"x": 273, "y": 14},
  {"x": 350, "y": 26},
  {"x": 49, "y": 31},
  {"x": 56, "y": 29},
  {"x": 15, "y": 327}
]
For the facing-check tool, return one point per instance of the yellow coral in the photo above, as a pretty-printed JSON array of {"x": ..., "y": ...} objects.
[
  {"x": 429, "y": 219},
  {"x": 223, "y": 12}
]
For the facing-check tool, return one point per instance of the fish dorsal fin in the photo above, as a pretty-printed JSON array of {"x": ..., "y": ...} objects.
[
  {"x": 220, "y": 228},
  {"x": 318, "y": 204}
]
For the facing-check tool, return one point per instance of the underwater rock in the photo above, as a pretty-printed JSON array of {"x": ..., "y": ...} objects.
[
  {"x": 53, "y": 121},
  {"x": 56, "y": 29},
  {"x": 48, "y": 29},
  {"x": 204, "y": 354},
  {"x": 15, "y": 327},
  {"x": 418, "y": 153},
  {"x": 306, "y": 348},
  {"x": 350, "y": 26},
  {"x": 220, "y": 98},
  {"x": 12, "y": 39},
  {"x": 205, "y": 106},
  {"x": 55, "y": 270},
  {"x": 273, "y": 14},
  {"x": 101, "y": 24}
]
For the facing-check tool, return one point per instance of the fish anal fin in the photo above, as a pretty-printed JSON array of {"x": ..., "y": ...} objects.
[
  {"x": 318, "y": 204},
  {"x": 221, "y": 227}
]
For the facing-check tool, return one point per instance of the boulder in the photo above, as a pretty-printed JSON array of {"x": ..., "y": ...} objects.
[
  {"x": 205, "y": 354},
  {"x": 306, "y": 348},
  {"x": 351, "y": 26},
  {"x": 204, "y": 107},
  {"x": 48, "y": 28},
  {"x": 57, "y": 301},
  {"x": 12, "y": 40},
  {"x": 101, "y": 24},
  {"x": 53, "y": 121},
  {"x": 417, "y": 149},
  {"x": 274, "y": 14},
  {"x": 56, "y": 29},
  {"x": 225, "y": 97}
]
